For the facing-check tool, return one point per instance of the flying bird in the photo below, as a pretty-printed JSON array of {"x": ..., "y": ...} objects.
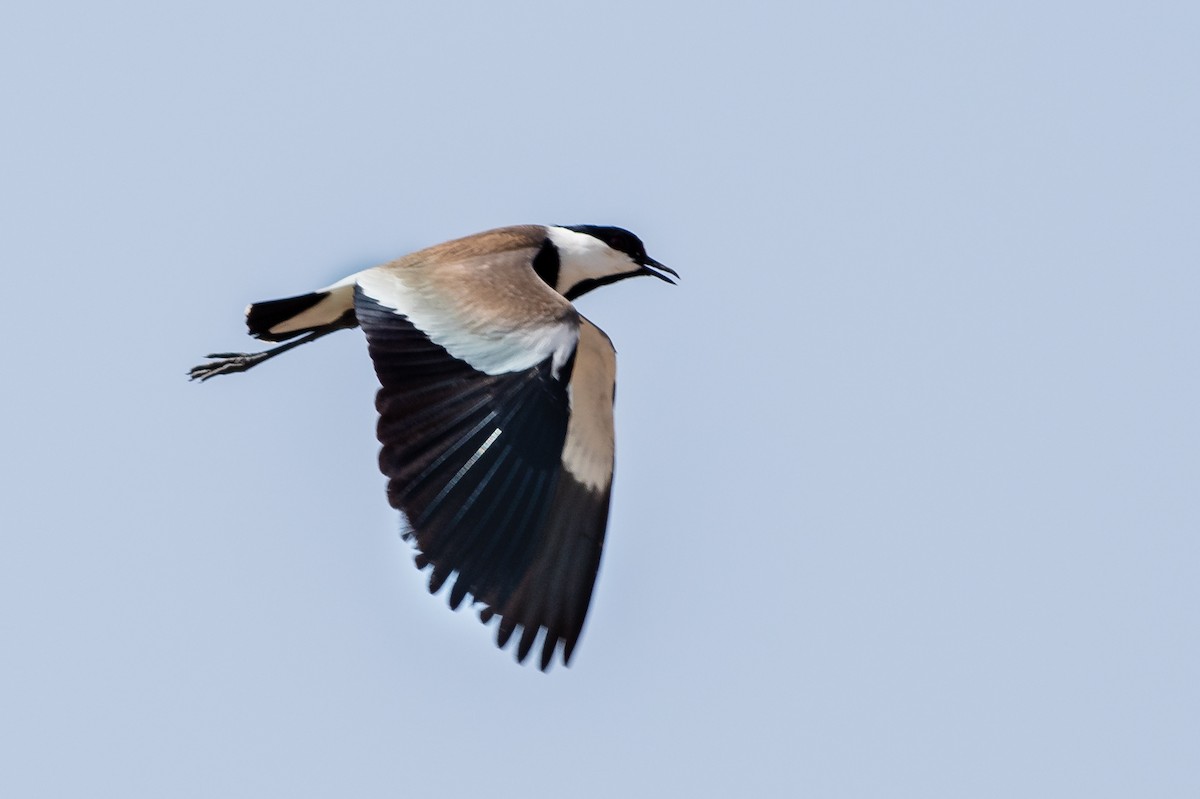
[{"x": 495, "y": 410}]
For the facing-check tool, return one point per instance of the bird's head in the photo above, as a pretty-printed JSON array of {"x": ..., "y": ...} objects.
[{"x": 587, "y": 256}]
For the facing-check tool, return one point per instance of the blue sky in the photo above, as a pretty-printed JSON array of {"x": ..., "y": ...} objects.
[{"x": 907, "y": 464}]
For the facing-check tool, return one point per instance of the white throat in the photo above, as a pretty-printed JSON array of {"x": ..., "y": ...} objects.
[{"x": 582, "y": 257}]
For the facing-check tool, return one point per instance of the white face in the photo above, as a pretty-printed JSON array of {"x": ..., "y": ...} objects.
[{"x": 582, "y": 257}]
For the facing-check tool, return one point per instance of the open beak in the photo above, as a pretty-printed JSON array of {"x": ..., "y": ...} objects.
[{"x": 653, "y": 267}]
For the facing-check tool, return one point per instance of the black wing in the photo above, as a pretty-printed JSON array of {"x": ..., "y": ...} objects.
[
  {"x": 475, "y": 463},
  {"x": 557, "y": 588}
]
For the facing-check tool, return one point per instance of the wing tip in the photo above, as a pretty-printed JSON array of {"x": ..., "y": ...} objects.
[
  {"x": 508, "y": 627},
  {"x": 527, "y": 641}
]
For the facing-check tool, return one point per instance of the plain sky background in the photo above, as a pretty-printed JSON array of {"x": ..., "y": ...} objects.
[{"x": 907, "y": 486}]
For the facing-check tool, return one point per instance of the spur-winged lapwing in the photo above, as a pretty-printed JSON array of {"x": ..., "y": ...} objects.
[{"x": 495, "y": 411}]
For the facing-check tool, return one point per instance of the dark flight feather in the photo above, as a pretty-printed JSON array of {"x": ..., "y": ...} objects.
[{"x": 475, "y": 463}]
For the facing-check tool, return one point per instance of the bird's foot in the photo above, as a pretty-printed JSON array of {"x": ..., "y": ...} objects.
[{"x": 227, "y": 363}]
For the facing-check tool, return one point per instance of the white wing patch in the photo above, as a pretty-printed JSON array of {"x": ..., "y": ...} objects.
[
  {"x": 590, "y": 446},
  {"x": 490, "y": 342}
]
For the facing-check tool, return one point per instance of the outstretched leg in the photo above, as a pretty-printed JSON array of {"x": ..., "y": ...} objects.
[
  {"x": 228, "y": 363},
  {"x": 308, "y": 316}
]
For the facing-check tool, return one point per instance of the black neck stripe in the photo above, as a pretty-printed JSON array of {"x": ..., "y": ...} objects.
[
  {"x": 584, "y": 286},
  {"x": 546, "y": 263}
]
